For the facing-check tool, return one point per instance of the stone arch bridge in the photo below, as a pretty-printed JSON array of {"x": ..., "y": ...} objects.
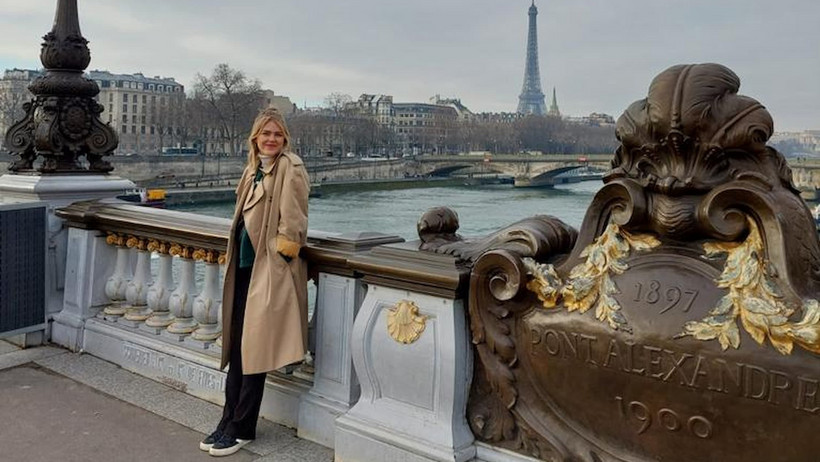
[{"x": 527, "y": 170}]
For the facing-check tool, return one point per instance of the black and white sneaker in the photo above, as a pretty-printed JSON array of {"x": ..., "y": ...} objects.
[
  {"x": 227, "y": 445},
  {"x": 209, "y": 440}
]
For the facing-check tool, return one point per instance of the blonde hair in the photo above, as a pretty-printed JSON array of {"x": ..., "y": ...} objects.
[{"x": 269, "y": 114}]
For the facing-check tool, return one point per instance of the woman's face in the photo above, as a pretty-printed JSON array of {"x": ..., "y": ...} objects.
[{"x": 271, "y": 139}]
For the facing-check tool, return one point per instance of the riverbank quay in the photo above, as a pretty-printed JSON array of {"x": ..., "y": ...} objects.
[
  {"x": 71, "y": 407},
  {"x": 189, "y": 196}
]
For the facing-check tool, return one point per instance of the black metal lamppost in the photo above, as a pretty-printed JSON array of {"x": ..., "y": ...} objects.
[{"x": 62, "y": 121}]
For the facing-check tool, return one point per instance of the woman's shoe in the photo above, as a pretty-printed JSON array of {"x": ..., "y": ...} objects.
[
  {"x": 209, "y": 440},
  {"x": 227, "y": 445}
]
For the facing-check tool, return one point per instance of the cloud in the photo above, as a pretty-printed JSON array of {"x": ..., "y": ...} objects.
[{"x": 599, "y": 56}]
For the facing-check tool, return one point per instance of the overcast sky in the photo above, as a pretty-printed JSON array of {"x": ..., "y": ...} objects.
[{"x": 599, "y": 54}]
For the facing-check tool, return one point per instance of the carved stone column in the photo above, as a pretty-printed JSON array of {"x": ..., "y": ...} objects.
[
  {"x": 181, "y": 302},
  {"x": 118, "y": 282},
  {"x": 160, "y": 291},
  {"x": 136, "y": 292},
  {"x": 208, "y": 303}
]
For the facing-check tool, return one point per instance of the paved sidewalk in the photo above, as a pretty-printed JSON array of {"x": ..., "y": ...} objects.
[{"x": 64, "y": 406}]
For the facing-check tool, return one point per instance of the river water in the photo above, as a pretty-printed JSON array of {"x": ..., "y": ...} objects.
[{"x": 481, "y": 209}]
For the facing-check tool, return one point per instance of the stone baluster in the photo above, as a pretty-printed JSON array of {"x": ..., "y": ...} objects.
[
  {"x": 136, "y": 292},
  {"x": 116, "y": 285},
  {"x": 181, "y": 302},
  {"x": 209, "y": 302},
  {"x": 160, "y": 291}
]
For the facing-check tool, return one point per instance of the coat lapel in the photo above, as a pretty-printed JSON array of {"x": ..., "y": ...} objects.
[{"x": 256, "y": 194}]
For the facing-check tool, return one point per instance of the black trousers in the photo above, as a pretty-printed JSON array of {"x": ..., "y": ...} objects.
[{"x": 243, "y": 393}]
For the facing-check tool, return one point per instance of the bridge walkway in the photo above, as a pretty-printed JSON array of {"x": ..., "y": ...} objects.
[{"x": 74, "y": 407}]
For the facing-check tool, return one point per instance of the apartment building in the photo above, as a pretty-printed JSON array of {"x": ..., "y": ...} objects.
[
  {"x": 423, "y": 128},
  {"x": 146, "y": 112}
]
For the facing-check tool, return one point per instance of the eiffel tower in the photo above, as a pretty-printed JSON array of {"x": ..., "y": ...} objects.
[{"x": 531, "y": 100}]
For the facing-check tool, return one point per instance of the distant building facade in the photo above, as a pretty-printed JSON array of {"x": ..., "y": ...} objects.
[
  {"x": 423, "y": 128},
  {"x": 416, "y": 127},
  {"x": 146, "y": 112},
  {"x": 283, "y": 104},
  {"x": 13, "y": 95},
  {"x": 595, "y": 119},
  {"x": 378, "y": 107},
  {"x": 806, "y": 142},
  {"x": 464, "y": 114}
]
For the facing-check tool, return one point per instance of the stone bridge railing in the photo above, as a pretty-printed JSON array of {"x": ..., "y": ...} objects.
[{"x": 143, "y": 290}]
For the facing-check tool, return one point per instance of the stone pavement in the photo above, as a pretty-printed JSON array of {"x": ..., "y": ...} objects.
[{"x": 62, "y": 406}]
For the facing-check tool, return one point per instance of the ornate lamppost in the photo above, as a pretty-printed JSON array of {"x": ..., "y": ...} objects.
[{"x": 62, "y": 122}]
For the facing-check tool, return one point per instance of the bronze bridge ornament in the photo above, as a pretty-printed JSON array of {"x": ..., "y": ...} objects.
[{"x": 700, "y": 264}]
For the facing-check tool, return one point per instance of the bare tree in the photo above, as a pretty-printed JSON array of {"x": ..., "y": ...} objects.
[
  {"x": 234, "y": 101},
  {"x": 338, "y": 102}
]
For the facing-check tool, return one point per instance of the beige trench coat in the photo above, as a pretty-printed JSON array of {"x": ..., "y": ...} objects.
[{"x": 274, "y": 333}]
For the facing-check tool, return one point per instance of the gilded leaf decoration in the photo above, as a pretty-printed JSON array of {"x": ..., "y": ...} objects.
[
  {"x": 544, "y": 282},
  {"x": 590, "y": 283},
  {"x": 754, "y": 299}
]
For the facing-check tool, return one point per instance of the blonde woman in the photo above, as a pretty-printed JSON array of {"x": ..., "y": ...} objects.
[{"x": 264, "y": 302}]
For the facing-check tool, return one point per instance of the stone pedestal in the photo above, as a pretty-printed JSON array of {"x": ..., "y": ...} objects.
[
  {"x": 59, "y": 191},
  {"x": 335, "y": 386},
  {"x": 90, "y": 264},
  {"x": 413, "y": 395}
]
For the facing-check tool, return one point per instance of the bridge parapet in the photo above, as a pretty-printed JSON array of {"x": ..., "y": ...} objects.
[{"x": 143, "y": 290}]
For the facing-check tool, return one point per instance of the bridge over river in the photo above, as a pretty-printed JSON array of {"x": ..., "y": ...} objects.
[{"x": 527, "y": 170}]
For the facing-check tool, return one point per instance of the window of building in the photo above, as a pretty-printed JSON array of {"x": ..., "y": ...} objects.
[
  {"x": 160, "y": 88},
  {"x": 134, "y": 108},
  {"x": 125, "y": 97},
  {"x": 162, "y": 101},
  {"x": 133, "y": 129},
  {"x": 124, "y": 129},
  {"x": 111, "y": 97},
  {"x": 142, "y": 119},
  {"x": 124, "y": 108},
  {"x": 153, "y": 99},
  {"x": 152, "y": 129},
  {"x": 142, "y": 129},
  {"x": 144, "y": 99},
  {"x": 110, "y": 108},
  {"x": 124, "y": 118},
  {"x": 134, "y": 119}
]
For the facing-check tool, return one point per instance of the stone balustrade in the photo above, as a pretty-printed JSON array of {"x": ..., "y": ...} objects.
[{"x": 148, "y": 297}]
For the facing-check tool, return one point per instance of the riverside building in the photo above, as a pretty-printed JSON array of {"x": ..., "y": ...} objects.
[{"x": 146, "y": 112}]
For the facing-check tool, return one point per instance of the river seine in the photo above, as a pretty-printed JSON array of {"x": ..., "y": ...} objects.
[{"x": 481, "y": 209}]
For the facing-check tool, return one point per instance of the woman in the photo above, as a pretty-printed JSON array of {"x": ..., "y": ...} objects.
[{"x": 264, "y": 302}]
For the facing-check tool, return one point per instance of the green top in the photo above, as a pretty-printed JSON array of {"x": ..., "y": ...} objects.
[{"x": 246, "y": 252}]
